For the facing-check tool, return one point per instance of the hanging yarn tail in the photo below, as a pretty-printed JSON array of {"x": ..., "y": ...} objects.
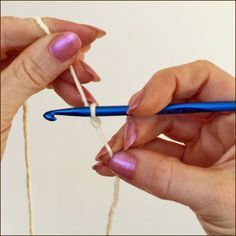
[
  {"x": 27, "y": 166},
  {"x": 96, "y": 123},
  {"x": 113, "y": 205}
]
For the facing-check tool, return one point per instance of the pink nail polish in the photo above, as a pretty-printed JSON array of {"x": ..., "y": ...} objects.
[
  {"x": 135, "y": 101},
  {"x": 103, "y": 151},
  {"x": 94, "y": 75},
  {"x": 130, "y": 133},
  {"x": 65, "y": 46},
  {"x": 123, "y": 165}
]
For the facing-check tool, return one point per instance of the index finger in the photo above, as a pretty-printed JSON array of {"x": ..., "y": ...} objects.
[
  {"x": 17, "y": 33},
  {"x": 196, "y": 81}
]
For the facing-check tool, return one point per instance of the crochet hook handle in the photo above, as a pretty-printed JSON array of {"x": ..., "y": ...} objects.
[{"x": 178, "y": 108}]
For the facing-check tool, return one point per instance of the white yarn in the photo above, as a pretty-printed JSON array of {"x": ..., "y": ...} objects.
[
  {"x": 41, "y": 24},
  {"x": 96, "y": 123},
  {"x": 78, "y": 86}
]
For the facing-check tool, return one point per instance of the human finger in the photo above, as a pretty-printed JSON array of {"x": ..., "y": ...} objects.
[
  {"x": 200, "y": 80},
  {"x": 18, "y": 33}
]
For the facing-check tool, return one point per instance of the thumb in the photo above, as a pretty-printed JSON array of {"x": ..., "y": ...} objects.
[
  {"x": 35, "y": 68},
  {"x": 164, "y": 176}
]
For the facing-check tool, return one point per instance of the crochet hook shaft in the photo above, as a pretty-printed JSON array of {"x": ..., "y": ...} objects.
[{"x": 178, "y": 108}]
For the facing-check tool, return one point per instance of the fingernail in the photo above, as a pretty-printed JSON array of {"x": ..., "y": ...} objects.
[
  {"x": 89, "y": 96},
  {"x": 94, "y": 75},
  {"x": 123, "y": 165},
  {"x": 50, "y": 86},
  {"x": 81, "y": 55},
  {"x": 130, "y": 133},
  {"x": 102, "y": 169},
  {"x": 86, "y": 48},
  {"x": 100, "y": 32},
  {"x": 65, "y": 46},
  {"x": 97, "y": 165},
  {"x": 103, "y": 151},
  {"x": 135, "y": 101}
]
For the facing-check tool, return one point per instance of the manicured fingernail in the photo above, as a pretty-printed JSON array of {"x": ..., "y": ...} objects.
[
  {"x": 135, "y": 101},
  {"x": 103, "y": 169},
  {"x": 103, "y": 151},
  {"x": 89, "y": 96},
  {"x": 86, "y": 48},
  {"x": 123, "y": 165},
  {"x": 50, "y": 86},
  {"x": 97, "y": 165},
  {"x": 100, "y": 32},
  {"x": 94, "y": 75},
  {"x": 65, "y": 46},
  {"x": 130, "y": 133}
]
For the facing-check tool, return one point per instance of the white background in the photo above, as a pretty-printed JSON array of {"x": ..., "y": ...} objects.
[{"x": 142, "y": 37}]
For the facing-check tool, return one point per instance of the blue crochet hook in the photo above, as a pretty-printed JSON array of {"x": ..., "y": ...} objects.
[{"x": 178, "y": 108}]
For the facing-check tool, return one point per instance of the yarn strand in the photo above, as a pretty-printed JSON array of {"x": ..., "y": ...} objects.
[
  {"x": 27, "y": 166},
  {"x": 96, "y": 123},
  {"x": 113, "y": 205}
]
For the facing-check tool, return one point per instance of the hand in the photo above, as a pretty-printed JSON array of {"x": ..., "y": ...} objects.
[
  {"x": 32, "y": 61},
  {"x": 199, "y": 170}
]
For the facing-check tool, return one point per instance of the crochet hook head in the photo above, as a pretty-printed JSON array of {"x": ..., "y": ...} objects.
[
  {"x": 85, "y": 111},
  {"x": 50, "y": 115}
]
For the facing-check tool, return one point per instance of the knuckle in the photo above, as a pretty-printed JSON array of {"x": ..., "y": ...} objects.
[
  {"x": 28, "y": 69},
  {"x": 161, "y": 178},
  {"x": 166, "y": 76},
  {"x": 223, "y": 193},
  {"x": 6, "y": 19},
  {"x": 201, "y": 69},
  {"x": 29, "y": 20},
  {"x": 202, "y": 63},
  {"x": 5, "y": 24},
  {"x": 148, "y": 109},
  {"x": 172, "y": 72},
  {"x": 166, "y": 73}
]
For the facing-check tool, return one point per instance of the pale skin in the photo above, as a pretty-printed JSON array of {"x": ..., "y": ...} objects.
[{"x": 198, "y": 172}]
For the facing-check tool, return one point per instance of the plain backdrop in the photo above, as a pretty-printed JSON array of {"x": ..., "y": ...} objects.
[{"x": 69, "y": 198}]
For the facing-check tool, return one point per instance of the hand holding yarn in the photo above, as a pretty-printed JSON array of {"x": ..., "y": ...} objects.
[
  {"x": 32, "y": 61},
  {"x": 47, "y": 63}
]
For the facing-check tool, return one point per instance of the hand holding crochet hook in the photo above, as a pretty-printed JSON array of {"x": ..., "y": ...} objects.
[
  {"x": 196, "y": 167},
  {"x": 200, "y": 164}
]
